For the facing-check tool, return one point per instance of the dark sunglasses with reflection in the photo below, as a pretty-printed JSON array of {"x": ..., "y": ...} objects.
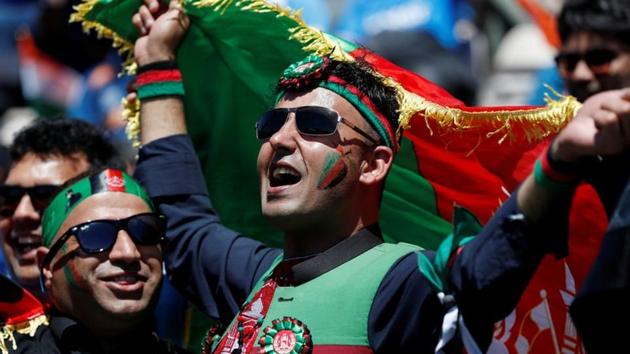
[
  {"x": 11, "y": 195},
  {"x": 96, "y": 236},
  {"x": 597, "y": 59},
  {"x": 310, "y": 120}
]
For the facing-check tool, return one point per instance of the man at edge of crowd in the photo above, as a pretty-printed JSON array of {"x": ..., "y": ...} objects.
[
  {"x": 595, "y": 56},
  {"x": 44, "y": 156},
  {"x": 102, "y": 269}
]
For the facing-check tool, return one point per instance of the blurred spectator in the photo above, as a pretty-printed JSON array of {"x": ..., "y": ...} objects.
[
  {"x": 595, "y": 53},
  {"x": 13, "y": 15},
  {"x": 595, "y": 56},
  {"x": 64, "y": 70},
  {"x": 43, "y": 156},
  {"x": 522, "y": 56}
]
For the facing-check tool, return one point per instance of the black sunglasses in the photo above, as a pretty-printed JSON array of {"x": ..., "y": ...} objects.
[
  {"x": 10, "y": 196},
  {"x": 100, "y": 235},
  {"x": 597, "y": 59},
  {"x": 310, "y": 120}
]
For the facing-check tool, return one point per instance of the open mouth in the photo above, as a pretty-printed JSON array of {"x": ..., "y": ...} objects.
[
  {"x": 126, "y": 279},
  {"x": 25, "y": 244},
  {"x": 127, "y": 285},
  {"x": 283, "y": 176}
]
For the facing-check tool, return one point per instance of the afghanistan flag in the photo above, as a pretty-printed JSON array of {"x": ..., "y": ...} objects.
[
  {"x": 21, "y": 313},
  {"x": 230, "y": 60}
]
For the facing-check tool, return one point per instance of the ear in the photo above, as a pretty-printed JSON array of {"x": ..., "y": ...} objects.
[
  {"x": 41, "y": 252},
  {"x": 376, "y": 165}
]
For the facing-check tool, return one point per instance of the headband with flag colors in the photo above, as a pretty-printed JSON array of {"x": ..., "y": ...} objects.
[
  {"x": 109, "y": 180},
  {"x": 314, "y": 70},
  {"x": 231, "y": 59}
]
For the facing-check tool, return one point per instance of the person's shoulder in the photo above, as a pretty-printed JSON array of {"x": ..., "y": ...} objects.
[{"x": 405, "y": 271}]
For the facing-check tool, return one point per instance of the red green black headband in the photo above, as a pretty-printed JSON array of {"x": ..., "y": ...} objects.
[
  {"x": 64, "y": 202},
  {"x": 312, "y": 68}
]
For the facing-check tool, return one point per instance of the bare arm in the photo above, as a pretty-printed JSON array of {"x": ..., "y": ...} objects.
[{"x": 159, "y": 38}]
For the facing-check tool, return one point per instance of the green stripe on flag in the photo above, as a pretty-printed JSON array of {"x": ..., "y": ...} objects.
[{"x": 409, "y": 211}]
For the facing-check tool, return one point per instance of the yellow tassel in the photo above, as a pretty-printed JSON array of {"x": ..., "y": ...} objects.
[
  {"x": 125, "y": 48},
  {"x": 314, "y": 40},
  {"x": 131, "y": 114},
  {"x": 537, "y": 123},
  {"x": 6, "y": 335},
  {"x": 217, "y": 5},
  {"x": 28, "y": 327}
]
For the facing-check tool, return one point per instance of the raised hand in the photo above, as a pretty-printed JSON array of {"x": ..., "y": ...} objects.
[
  {"x": 601, "y": 127},
  {"x": 161, "y": 31}
]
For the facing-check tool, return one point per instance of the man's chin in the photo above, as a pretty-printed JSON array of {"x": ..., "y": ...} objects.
[
  {"x": 128, "y": 309},
  {"x": 281, "y": 219}
]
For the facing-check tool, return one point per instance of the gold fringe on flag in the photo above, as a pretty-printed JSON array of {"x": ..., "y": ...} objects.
[
  {"x": 28, "y": 327},
  {"x": 125, "y": 48},
  {"x": 537, "y": 123}
]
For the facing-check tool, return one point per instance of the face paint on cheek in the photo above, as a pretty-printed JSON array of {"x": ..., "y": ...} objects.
[
  {"x": 72, "y": 274},
  {"x": 334, "y": 171}
]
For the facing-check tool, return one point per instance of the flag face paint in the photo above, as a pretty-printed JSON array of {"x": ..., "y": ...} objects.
[
  {"x": 70, "y": 270},
  {"x": 334, "y": 171}
]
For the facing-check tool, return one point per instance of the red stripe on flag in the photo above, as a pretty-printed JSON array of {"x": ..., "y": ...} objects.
[{"x": 114, "y": 181}]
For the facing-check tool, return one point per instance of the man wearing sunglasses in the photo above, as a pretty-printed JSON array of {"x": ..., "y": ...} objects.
[
  {"x": 595, "y": 52},
  {"x": 101, "y": 267},
  {"x": 44, "y": 156},
  {"x": 595, "y": 56},
  {"x": 326, "y": 149}
]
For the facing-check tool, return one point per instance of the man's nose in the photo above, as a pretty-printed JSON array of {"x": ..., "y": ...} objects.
[
  {"x": 285, "y": 137},
  {"x": 124, "y": 249},
  {"x": 26, "y": 212},
  {"x": 582, "y": 72}
]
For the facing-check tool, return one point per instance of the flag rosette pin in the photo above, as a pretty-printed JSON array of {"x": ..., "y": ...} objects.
[{"x": 286, "y": 336}]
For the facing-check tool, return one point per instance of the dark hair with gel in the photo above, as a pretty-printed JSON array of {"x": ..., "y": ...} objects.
[
  {"x": 606, "y": 17},
  {"x": 361, "y": 75},
  {"x": 66, "y": 137}
]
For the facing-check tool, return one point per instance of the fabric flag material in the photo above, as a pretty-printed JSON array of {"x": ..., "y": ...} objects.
[
  {"x": 20, "y": 312},
  {"x": 473, "y": 156},
  {"x": 537, "y": 321}
]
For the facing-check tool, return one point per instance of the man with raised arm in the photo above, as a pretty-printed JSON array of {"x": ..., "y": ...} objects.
[{"x": 326, "y": 149}]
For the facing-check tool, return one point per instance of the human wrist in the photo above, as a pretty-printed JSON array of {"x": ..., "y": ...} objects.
[
  {"x": 562, "y": 152},
  {"x": 154, "y": 55},
  {"x": 159, "y": 79},
  {"x": 556, "y": 175},
  {"x": 154, "y": 58}
]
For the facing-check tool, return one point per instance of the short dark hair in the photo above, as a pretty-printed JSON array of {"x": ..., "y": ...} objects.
[
  {"x": 606, "y": 17},
  {"x": 360, "y": 74},
  {"x": 66, "y": 137}
]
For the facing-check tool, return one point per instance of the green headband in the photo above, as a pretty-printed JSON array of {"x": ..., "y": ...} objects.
[
  {"x": 64, "y": 202},
  {"x": 312, "y": 68}
]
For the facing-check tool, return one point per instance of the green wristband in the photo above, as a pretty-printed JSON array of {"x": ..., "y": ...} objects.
[
  {"x": 159, "y": 89},
  {"x": 544, "y": 181}
]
